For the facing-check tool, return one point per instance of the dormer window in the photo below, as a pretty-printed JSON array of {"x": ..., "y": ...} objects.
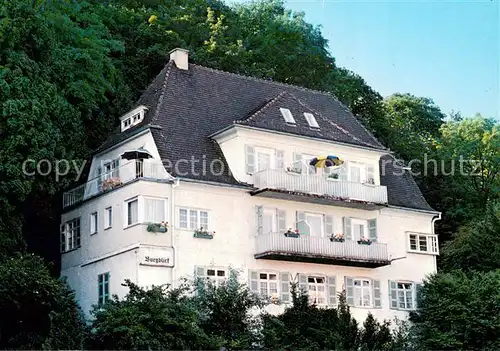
[
  {"x": 132, "y": 118},
  {"x": 287, "y": 115},
  {"x": 311, "y": 120}
]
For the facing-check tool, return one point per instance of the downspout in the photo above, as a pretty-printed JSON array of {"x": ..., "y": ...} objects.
[{"x": 176, "y": 183}]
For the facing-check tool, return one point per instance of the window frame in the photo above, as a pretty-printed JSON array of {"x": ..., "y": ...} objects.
[
  {"x": 188, "y": 218},
  {"x": 127, "y": 203},
  {"x": 432, "y": 244},
  {"x": 165, "y": 207},
  {"x": 94, "y": 222},
  {"x": 412, "y": 290},
  {"x": 102, "y": 296},
  {"x": 272, "y": 212},
  {"x": 287, "y": 116},
  {"x": 316, "y": 284},
  {"x": 108, "y": 217},
  {"x": 311, "y": 120},
  {"x": 75, "y": 236},
  {"x": 268, "y": 282},
  {"x": 216, "y": 279},
  {"x": 264, "y": 150},
  {"x": 366, "y": 234},
  {"x": 370, "y": 291}
]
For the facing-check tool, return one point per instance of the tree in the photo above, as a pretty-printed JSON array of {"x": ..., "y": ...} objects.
[
  {"x": 159, "y": 318},
  {"x": 476, "y": 246},
  {"x": 37, "y": 310},
  {"x": 459, "y": 311}
]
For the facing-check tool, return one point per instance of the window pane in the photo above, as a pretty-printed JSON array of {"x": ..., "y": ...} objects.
[
  {"x": 183, "y": 218},
  {"x": 193, "y": 219},
  {"x": 413, "y": 242},
  {"x": 422, "y": 241},
  {"x": 315, "y": 223},
  {"x": 221, "y": 273},
  {"x": 132, "y": 212},
  {"x": 267, "y": 223},
  {"x": 204, "y": 219},
  {"x": 211, "y": 272},
  {"x": 154, "y": 210}
]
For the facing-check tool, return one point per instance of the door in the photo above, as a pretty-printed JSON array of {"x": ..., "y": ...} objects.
[
  {"x": 359, "y": 229},
  {"x": 357, "y": 172},
  {"x": 315, "y": 222}
]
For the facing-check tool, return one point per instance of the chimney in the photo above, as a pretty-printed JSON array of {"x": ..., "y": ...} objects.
[{"x": 180, "y": 57}]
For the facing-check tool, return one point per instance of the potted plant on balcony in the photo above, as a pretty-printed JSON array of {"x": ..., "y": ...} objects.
[
  {"x": 161, "y": 227},
  {"x": 203, "y": 234},
  {"x": 333, "y": 176},
  {"x": 364, "y": 241},
  {"x": 292, "y": 234},
  {"x": 370, "y": 181},
  {"x": 111, "y": 183},
  {"x": 339, "y": 238},
  {"x": 292, "y": 169}
]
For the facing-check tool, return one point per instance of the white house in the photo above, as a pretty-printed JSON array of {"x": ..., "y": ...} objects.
[{"x": 230, "y": 154}]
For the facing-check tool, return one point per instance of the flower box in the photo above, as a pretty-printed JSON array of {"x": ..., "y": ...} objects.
[
  {"x": 364, "y": 242},
  {"x": 339, "y": 238},
  {"x": 292, "y": 234},
  {"x": 111, "y": 183},
  {"x": 203, "y": 234},
  {"x": 158, "y": 227},
  {"x": 295, "y": 170}
]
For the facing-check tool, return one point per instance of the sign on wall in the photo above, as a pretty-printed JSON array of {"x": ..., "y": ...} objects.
[{"x": 157, "y": 256}]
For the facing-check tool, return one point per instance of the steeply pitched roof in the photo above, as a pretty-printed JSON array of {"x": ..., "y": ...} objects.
[{"x": 187, "y": 106}]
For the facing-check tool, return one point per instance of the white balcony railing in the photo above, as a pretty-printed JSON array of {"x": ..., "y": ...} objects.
[
  {"x": 124, "y": 174},
  {"x": 315, "y": 184},
  {"x": 321, "y": 247}
]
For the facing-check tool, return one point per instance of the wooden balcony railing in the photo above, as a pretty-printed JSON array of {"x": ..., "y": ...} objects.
[
  {"x": 279, "y": 179},
  {"x": 314, "y": 249}
]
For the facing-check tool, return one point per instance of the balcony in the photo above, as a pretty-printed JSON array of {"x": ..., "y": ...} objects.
[
  {"x": 280, "y": 184},
  {"x": 313, "y": 249},
  {"x": 126, "y": 173}
]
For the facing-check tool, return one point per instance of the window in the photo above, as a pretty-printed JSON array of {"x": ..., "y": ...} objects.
[
  {"x": 359, "y": 229},
  {"x": 287, "y": 115},
  {"x": 193, "y": 219},
  {"x": 215, "y": 275},
  {"x": 403, "y": 295},
  {"x": 93, "y": 223},
  {"x": 108, "y": 217},
  {"x": 268, "y": 284},
  {"x": 362, "y": 292},
  {"x": 315, "y": 222},
  {"x": 265, "y": 158},
  {"x": 132, "y": 212},
  {"x": 311, "y": 120},
  {"x": 111, "y": 169},
  {"x": 154, "y": 210},
  {"x": 268, "y": 221},
  {"x": 134, "y": 119},
  {"x": 103, "y": 288},
  {"x": 317, "y": 290},
  {"x": 426, "y": 243},
  {"x": 357, "y": 172},
  {"x": 70, "y": 235}
]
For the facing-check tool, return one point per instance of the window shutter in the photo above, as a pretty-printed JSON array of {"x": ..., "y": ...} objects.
[
  {"x": 344, "y": 171},
  {"x": 347, "y": 228},
  {"x": 116, "y": 168},
  {"x": 393, "y": 294},
  {"x": 377, "y": 298},
  {"x": 328, "y": 224},
  {"x": 418, "y": 293},
  {"x": 98, "y": 174},
  {"x": 253, "y": 277},
  {"x": 303, "y": 287},
  {"x": 300, "y": 223},
  {"x": 285, "y": 286},
  {"x": 259, "y": 211},
  {"x": 281, "y": 215},
  {"x": 250, "y": 159},
  {"x": 280, "y": 164},
  {"x": 63, "y": 237},
  {"x": 349, "y": 291},
  {"x": 332, "y": 290},
  {"x": 370, "y": 174},
  {"x": 372, "y": 229}
]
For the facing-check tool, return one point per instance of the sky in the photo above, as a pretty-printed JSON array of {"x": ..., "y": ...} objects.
[{"x": 445, "y": 50}]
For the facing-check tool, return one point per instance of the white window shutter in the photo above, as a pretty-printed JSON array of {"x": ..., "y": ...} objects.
[
  {"x": 377, "y": 298},
  {"x": 303, "y": 286},
  {"x": 285, "y": 286},
  {"x": 280, "y": 163},
  {"x": 253, "y": 278},
  {"x": 332, "y": 290},
  {"x": 343, "y": 172},
  {"x": 393, "y": 294},
  {"x": 63, "y": 237},
  {"x": 281, "y": 216},
  {"x": 349, "y": 291},
  {"x": 328, "y": 224},
  {"x": 347, "y": 228},
  {"x": 250, "y": 159},
  {"x": 372, "y": 229},
  {"x": 259, "y": 213}
]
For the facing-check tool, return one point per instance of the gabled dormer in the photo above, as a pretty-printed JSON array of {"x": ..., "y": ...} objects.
[{"x": 133, "y": 117}]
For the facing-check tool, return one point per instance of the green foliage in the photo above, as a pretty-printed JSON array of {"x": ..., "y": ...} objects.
[
  {"x": 37, "y": 310},
  {"x": 476, "y": 246},
  {"x": 158, "y": 319},
  {"x": 459, "y": 311}
]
